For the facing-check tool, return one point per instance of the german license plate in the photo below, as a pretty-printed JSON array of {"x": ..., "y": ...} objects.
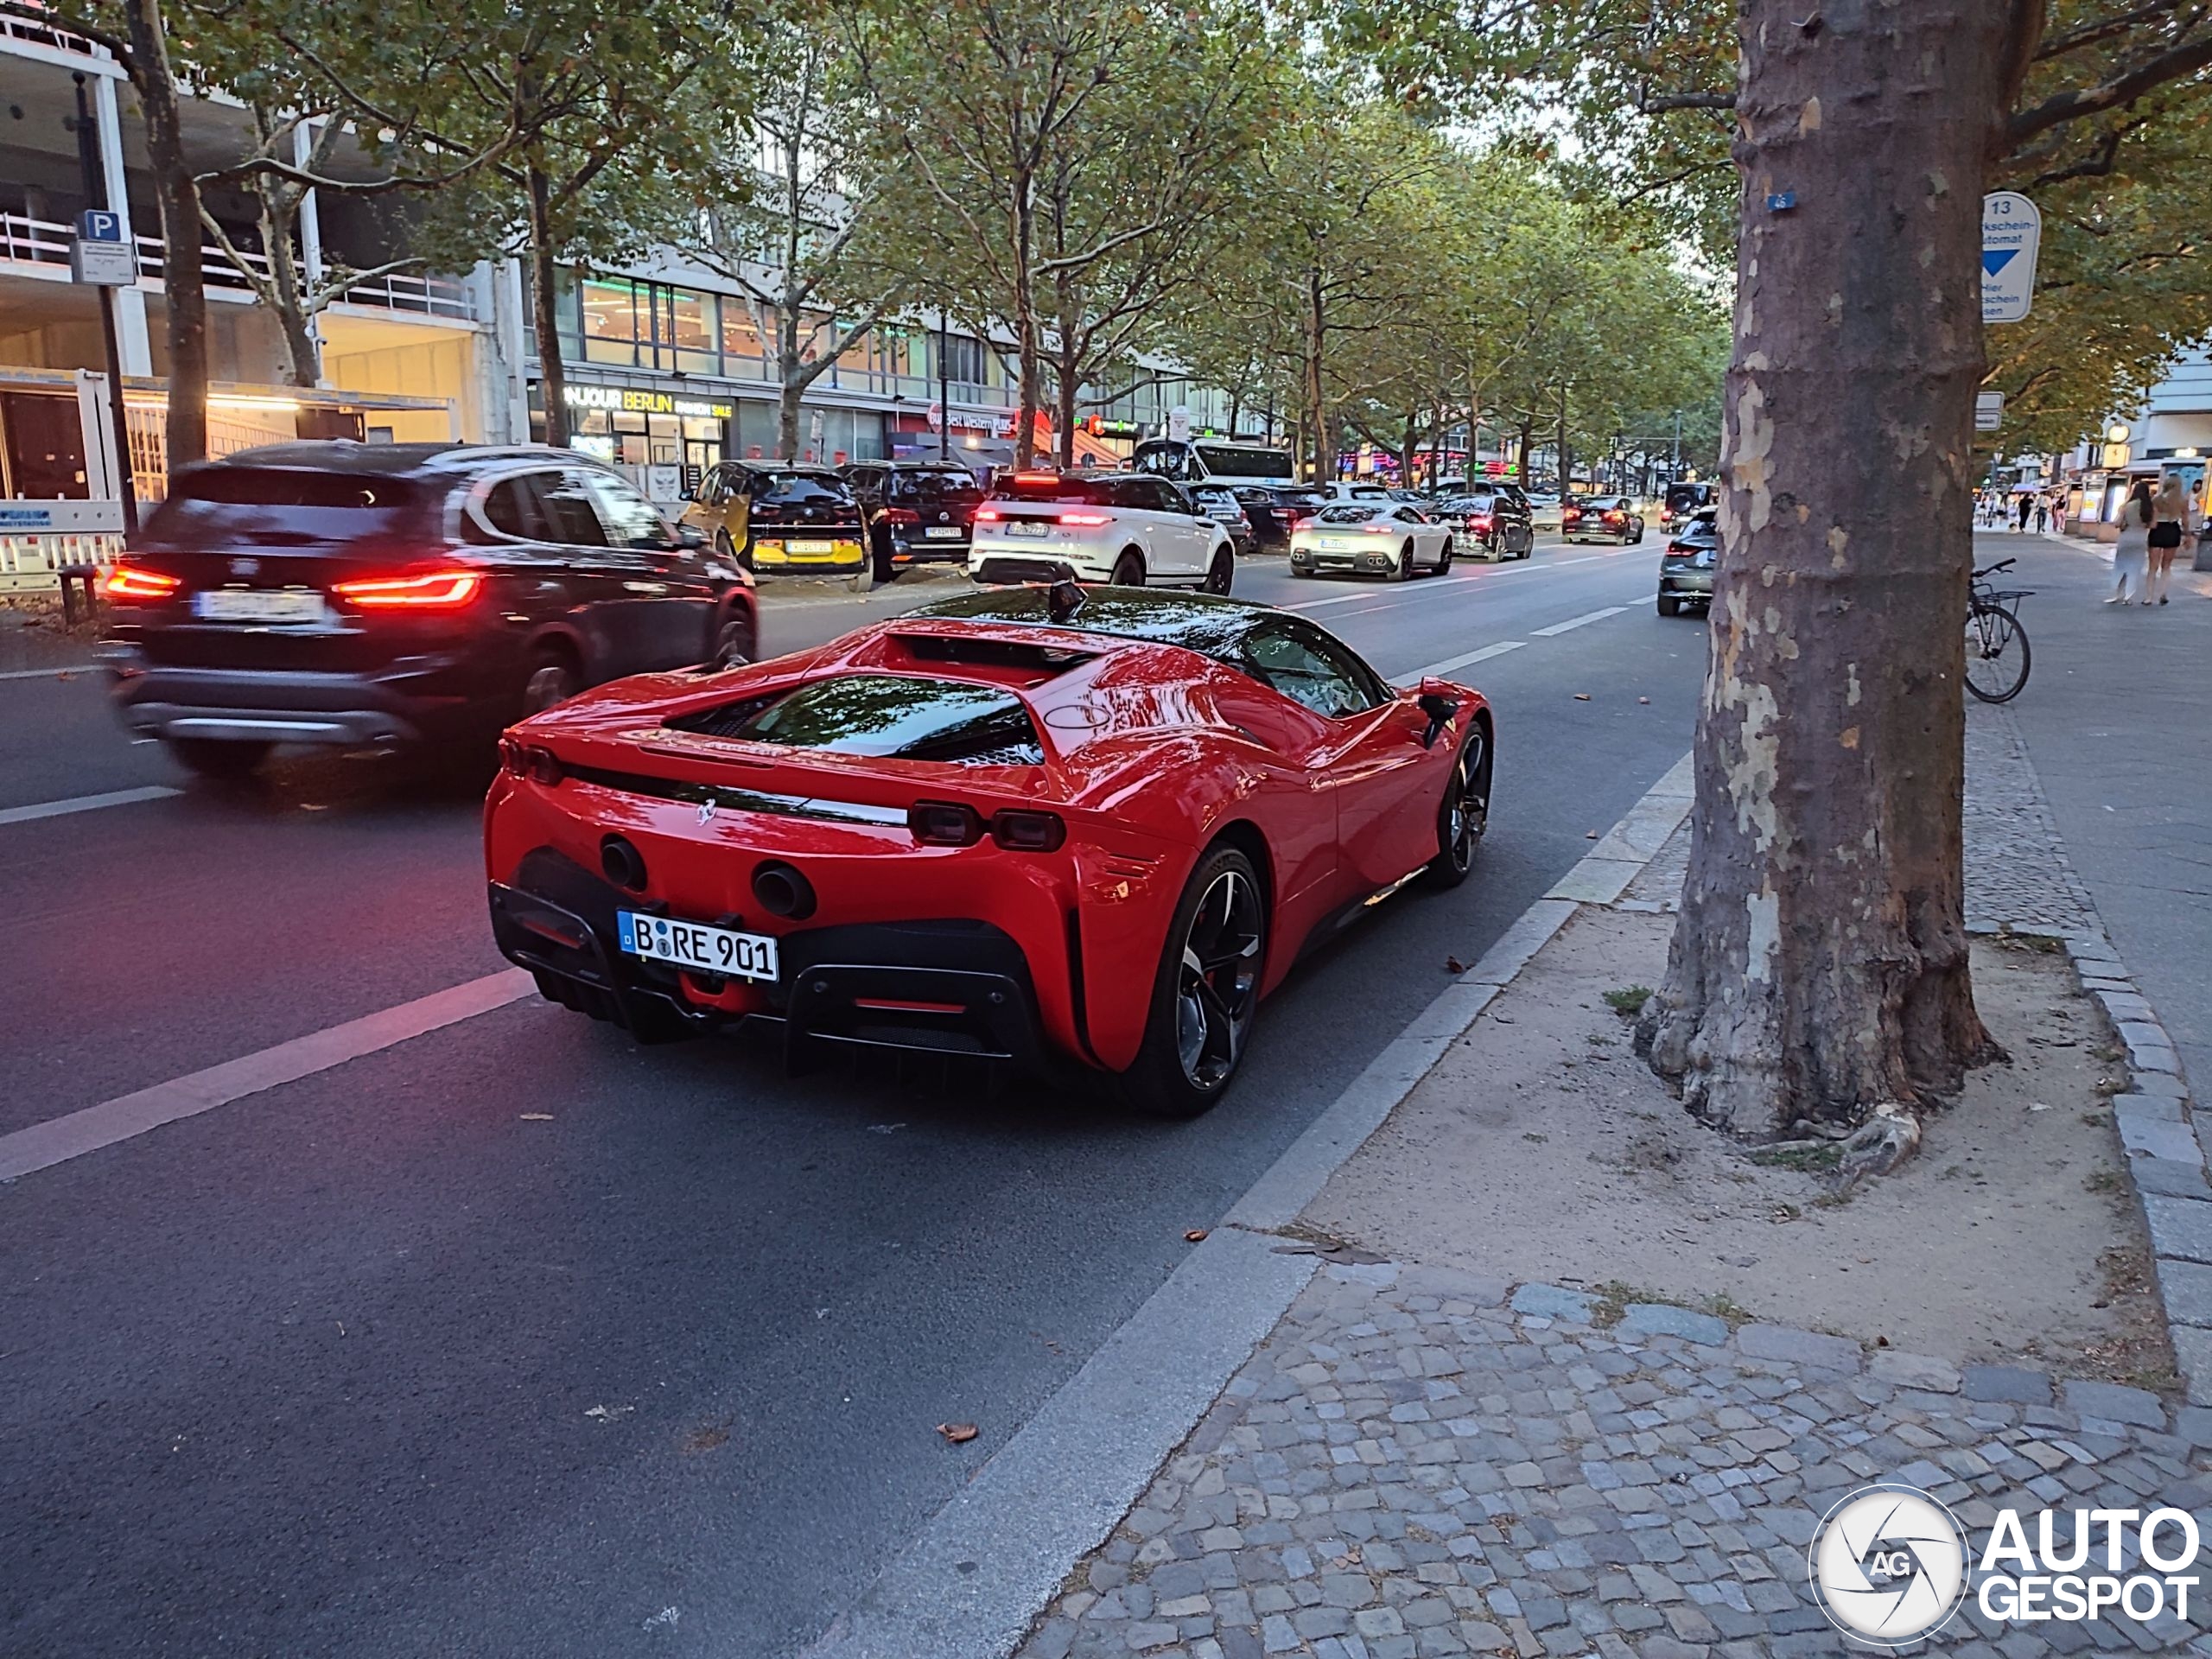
[
  {"x": 720, "y": 950},
  {"x": 811, "y": 546},
  {"x": 943, "y": 532},
  {"x": 1035, "y": 527},
  {"x": 259, "y": 604}
]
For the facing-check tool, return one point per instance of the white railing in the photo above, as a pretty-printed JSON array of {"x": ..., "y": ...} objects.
[
  {"x": 32, "y": 563},
  {"x": 41, "y": 242},
  {"x": 51, "y": 35}
]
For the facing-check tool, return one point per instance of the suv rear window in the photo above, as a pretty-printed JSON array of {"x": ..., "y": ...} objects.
[
  {"x": 936, "y": 489},
  {"x": 1084, "y": 491},
  {"x": 896, "y": 715},
  {"x": 271, "y": 506}
]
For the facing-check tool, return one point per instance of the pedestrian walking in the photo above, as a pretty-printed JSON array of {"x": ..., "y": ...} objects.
[
  {"x": 2043, "y": 515},
  {"x": 2027, "y": 503},
  {"x": 2172, "y": 520},
  {"x": 2131, "y": 555}
]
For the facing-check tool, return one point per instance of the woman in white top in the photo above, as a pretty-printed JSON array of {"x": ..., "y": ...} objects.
[
  {"x": 2131, "y": 556},
  {"x": 2173, "y": 521}
]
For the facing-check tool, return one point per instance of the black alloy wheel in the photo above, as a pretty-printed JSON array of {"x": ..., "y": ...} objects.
[
  {"x": 553, "y": 679},
  {"x": 737, "y": 642},
  {"x": 1463, "y": 816},
  {"x": 1222, "y": 572},
  {"x": 1129, "y": 569},
  {"x": 1206, "y": 993},
  {"x": 1404, "y": 570}
]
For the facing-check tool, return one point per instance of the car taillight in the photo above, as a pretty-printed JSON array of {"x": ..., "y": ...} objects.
[
  {"x": 1377, "y": 530},
  {"x": 945, "y": 824},
  {"x": 130, "y": 584},
  {"x": 989, "y": 515},
  {"x": 1019, "y": 830},
  {"x": 1085, "y": 518},
  {"x": 1036, "y": 478},
  {"x": 1572, "y": 515},
  {"x": 531, "y": 761},
  {"x": 439, "y": 590},
  {"x": 1479, "y": 523},
  {"x": 900, "y": 516}
]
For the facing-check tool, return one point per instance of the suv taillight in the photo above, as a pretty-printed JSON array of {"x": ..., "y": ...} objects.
[
  {"x": 130, "y": 584},
  {"x": 437, "y": 590}
]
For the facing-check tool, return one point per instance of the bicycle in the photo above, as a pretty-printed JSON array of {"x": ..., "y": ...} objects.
[{"x": 1998, "y": 658}]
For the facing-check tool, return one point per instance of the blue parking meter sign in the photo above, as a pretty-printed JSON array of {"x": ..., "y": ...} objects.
[{"x": 100, "y": 224}]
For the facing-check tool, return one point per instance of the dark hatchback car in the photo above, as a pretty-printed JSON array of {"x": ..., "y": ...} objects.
[
  {"x": 386, "y": 595},
  {"x": 1686, "y": 568},
  {"x": 1224, "y": 506},
  {"x": 917, "y": 512},
  {"x": 1276, "y": 510},
  {"x": 1492, "y": 521}
]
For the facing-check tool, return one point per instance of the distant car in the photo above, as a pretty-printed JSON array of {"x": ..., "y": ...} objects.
[
  {"x": 1686, "y": 569},
  {"x": 1684, "y": 501},
  {"x": 1492, "y": 523},
  {"x": 782, "y": 516},
  {"x": 1221, "y": 505},
  {"x": 1129, "y": 529},
  {"x": 1284, "y": 508},
  {"x": 917, "y": 511},
  {"x": 1545, "y": 510},
  {"x": 1381, "y": 538},
  {"x": 1213, "y": 461},
  {"x": 395, "y": 595},
  {"x": 1353, "y": 490},
  {"x": 1601, "y": 517}
]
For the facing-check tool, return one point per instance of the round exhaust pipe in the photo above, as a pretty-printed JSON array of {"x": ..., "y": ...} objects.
[
  {"x": 624, "y": 864},
  {"x": 783, "y": 890}
]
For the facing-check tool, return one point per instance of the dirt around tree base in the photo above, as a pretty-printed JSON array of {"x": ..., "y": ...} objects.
[{"x": 1542, "y": 1149}]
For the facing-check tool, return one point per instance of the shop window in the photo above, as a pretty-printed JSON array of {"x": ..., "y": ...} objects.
[
  {"x": 745, "y": 342},
  {"x": 611, "y": 320}
]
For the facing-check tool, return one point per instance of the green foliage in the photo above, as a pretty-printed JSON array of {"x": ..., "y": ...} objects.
[
  {"x": 1629, "y": 1001},
  {"x": 1643, "y": 86}
]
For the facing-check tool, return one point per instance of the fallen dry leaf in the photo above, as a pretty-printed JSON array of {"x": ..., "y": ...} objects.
[
  {"x": 1453, "y": 965},
  {"x": 959, "y": 1434},
  {"x": 709, "y": 1438},
  {"x": 1196, "y": 1235},
  {"x": 1643, "y": 699},
  {"x": 1582, "y": 697},
  {"x": 1589, "y": 834}
]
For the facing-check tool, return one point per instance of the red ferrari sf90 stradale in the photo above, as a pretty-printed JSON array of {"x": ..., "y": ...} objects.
[{"x": 1039, "y": 824}]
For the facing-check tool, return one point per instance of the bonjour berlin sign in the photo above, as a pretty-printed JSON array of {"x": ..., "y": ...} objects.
[{"x": 1891, "y": 1565}]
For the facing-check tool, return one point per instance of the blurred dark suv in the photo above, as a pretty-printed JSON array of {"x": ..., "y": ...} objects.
[
  {"x": 1686, "y": 568},
  {"x": 384, "y": 595},
  {"x": 917, "y": 510}
]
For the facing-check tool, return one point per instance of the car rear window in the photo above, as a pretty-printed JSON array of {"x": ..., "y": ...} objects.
[
  {"x": 803, "y": 490},
  {"x": 900, "y": 717},
  {"x": 935, "y": 489},
  {"x": 271, "y": 506},
  {"x": 1347, "y": 512},
  {"x": 1085, "y": 491}
]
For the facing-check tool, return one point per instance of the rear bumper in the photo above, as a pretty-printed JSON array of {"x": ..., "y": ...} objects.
[
  {"x": 1005, "y": 567},
  {"x": 1687, "y": 584},
  {"x": 905, "y": 549},
  {"x": 848, "y": 551},
  {"x": 404, "y": 704},
  {"x": 1379, "y": 562},
  {"x": 944, "y": 987}
]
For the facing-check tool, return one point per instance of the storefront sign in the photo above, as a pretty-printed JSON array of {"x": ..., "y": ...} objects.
[{"x": 634, "y": 401}]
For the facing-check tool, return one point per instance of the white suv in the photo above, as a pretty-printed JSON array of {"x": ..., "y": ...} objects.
[{"x": 1125, "y": 528}]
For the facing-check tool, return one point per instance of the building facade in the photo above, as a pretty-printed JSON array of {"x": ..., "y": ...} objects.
[{"x": 2171, "y": 433}]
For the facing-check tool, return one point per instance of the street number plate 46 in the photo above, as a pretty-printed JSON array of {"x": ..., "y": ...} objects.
[{"x": 720, "y": 950}]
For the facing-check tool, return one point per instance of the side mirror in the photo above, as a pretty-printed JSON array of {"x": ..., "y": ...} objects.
[
  {"x": 691, "y": 537},
  {"x": 1439, "y": 708}
]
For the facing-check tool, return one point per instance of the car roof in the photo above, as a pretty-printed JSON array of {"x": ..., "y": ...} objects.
[
  {"x": 761, "y": 464},
  {"x": 1206, "y": 623},
  {"x": 393, "y": 460},
  {"x": 910, "y": 465}
]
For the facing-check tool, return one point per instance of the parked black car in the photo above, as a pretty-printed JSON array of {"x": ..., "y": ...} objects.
[
  {"x": 917, "y": 512},
  {"x": 1684, "y": 501},
  {"x": 1492, "y": 521},
  {"x": 1276, "y": 510},
  {"x": 390, "y": 594},
  {"x": 1686, "y": 568},
  {"x": 1220, "y": 504}
]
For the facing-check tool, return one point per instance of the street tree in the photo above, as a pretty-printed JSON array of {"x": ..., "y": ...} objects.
[
  {"x": 1818, "y": 972},
  {"x": 793, "y": 216}
]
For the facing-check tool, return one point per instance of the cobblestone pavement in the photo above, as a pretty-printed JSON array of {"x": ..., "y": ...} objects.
[{"x": 1414, "y": 1464}]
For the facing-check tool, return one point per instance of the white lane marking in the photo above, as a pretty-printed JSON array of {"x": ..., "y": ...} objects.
[
  {"x": 1451, "y": 663},
  {"x": 50, "y": 673},
  {"x": 1578, "y": 621},
  {"x": 86, "y": 803},
  {"x": 1353, "y": 599},
  {"x": 73, "y": 1134}
]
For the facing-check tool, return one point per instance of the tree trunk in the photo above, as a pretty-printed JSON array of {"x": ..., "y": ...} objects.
[
  {"x": 183, "y": 285},
  {"x": 545, "y": 314},
  {"x": 1316, "y": 417},
  {"x": 1064, "y": 440},
  {"x": 1528, "y": 435},
  {"x": 1819, "y": 968},
  {"x": 302, "y": 354},
  {"x": 1564, "y": 470},
  {"x": 787, "y": 404}
]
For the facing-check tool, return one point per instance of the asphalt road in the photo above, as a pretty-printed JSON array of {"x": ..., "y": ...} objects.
[{"x": 511, "y": 1338}]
